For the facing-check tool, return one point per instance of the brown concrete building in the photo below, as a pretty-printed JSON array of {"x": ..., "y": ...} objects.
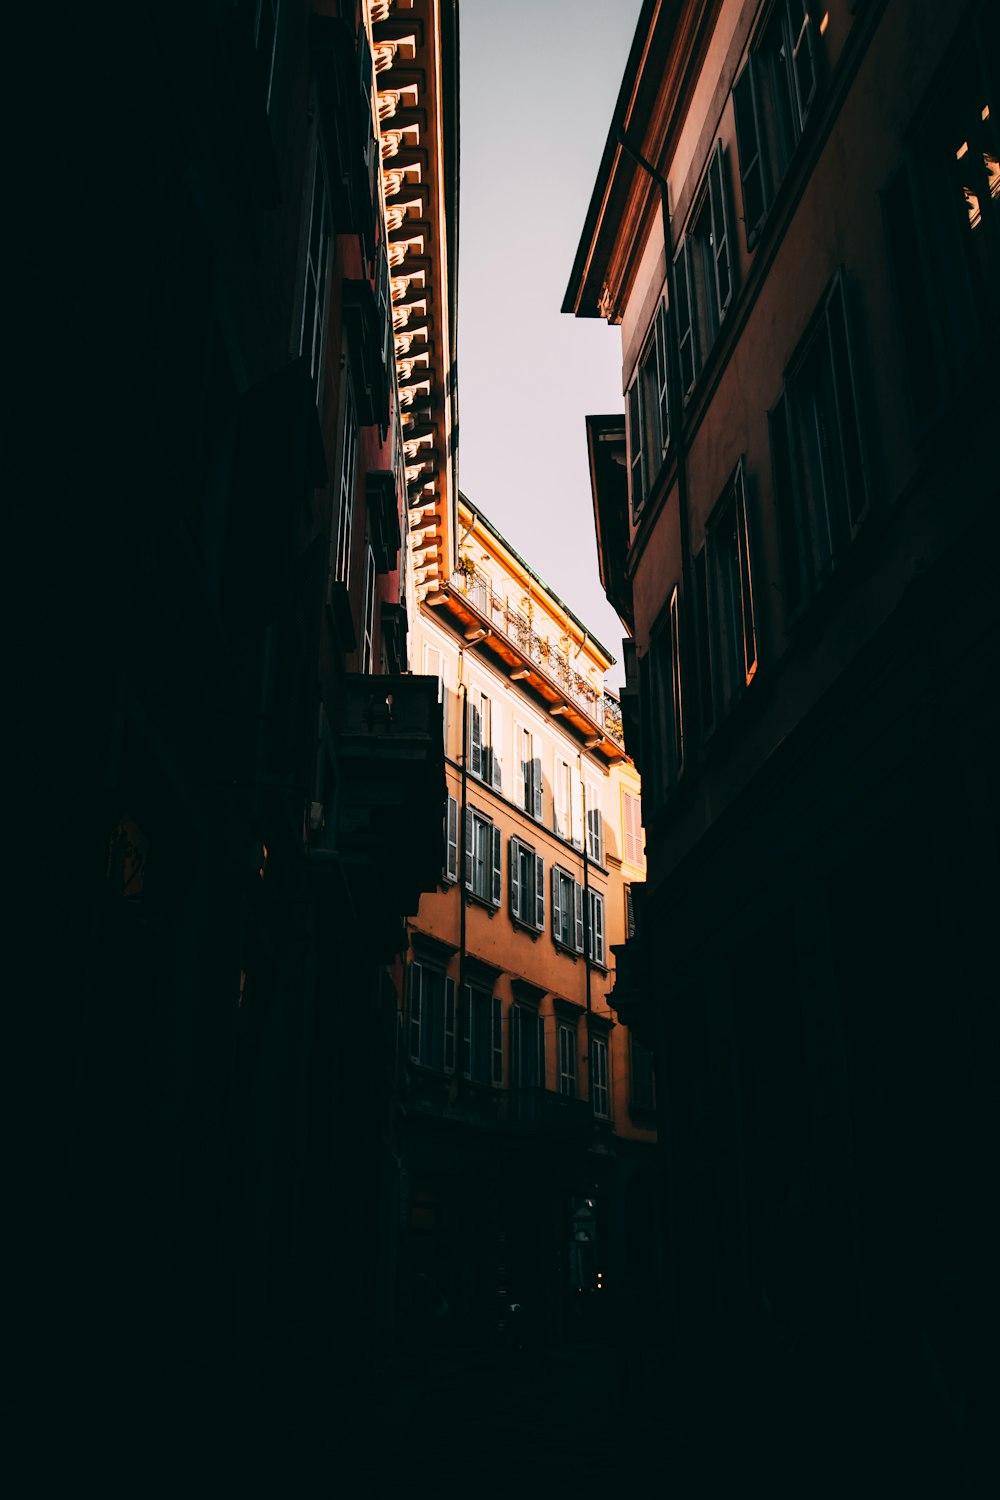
[
  {"x": 527, "y": 1143},
  {"x": 227, "y": 784},
  {"x": 796, "y": 226}
]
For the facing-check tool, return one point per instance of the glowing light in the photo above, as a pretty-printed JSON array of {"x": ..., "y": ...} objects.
[
  {"x": 963, "y": 148},
  {"x": 824, "y": 24},
  {"x": 986, "y": 111}
]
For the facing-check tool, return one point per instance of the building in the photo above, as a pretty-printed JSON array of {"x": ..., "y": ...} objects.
[
  {"x": 796, "y": 226},
  {"x": 527, "y": 1143},
  {"x": 219, "y": 409}
]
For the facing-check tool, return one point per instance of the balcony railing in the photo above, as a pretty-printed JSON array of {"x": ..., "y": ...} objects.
[
  {"x": 538, "y": 1111},
  {"x": 600, "y": 706}
]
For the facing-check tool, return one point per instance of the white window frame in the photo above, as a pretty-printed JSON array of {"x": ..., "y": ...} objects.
[
  {"x": 595, "y": 823},
  {"x": 482, "y": 857},
  {"x": 595, "y": 928},
  {"x": 431, "y": 1037},
  {"x": 527, "y": 902},
  {"x": 528, "y": 771},
  {"x": 727, "y": 628},
  {"x": 600, "y": 1089},
  {"x": 485, "y": 737},
  {"x": 648, "y": 413},
  {"x": 567, "y": 911},
  {"x": 631, "y": 837},
  {"x": 451, "y": 840},
  {"x": 567, "y": 1044}
]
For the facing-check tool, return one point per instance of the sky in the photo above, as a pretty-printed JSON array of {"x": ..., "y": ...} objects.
[{"x": 539, "y": 79}]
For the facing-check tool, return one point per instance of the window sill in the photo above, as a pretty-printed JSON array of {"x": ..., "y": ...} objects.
[
  {"x": 529, "y": 927},
  {"x": 472, "y": 898},
  {"x": 573, "y": 953}
]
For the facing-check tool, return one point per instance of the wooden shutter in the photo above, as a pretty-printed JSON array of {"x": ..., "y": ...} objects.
[
  {"x": 578, "y": 914},
  {"x": 449, "y": 1024},
  {"x": 513, "y": 856},
  {"x": 496, "y": 1031},
  {"x": 557, "y": 923},
  {"x": 536, "y": 786},
  {"x": 465, "y": 1032},
  {"x": 576, "y": 808},
  {"x": 683, "y": 319},
  {"x": 597, "y": 926},
  {"x": 469, "y": 853},
  {"x": 561, "y": 820},
  {"x": 662, "y": 378},
  {"x": 451, "y": 840},
  {"x": 722, "y": 256},
  {"x": 539, "y": 893},
  {"x": 416, "y": 1010},
  {"x": 475, "y": 732},
  {"x": 753, "y": 183},
  {"x": 540, "y": 1051},
  {"x": 496, "y": 746},
  {"x": 495, "y": 840}
]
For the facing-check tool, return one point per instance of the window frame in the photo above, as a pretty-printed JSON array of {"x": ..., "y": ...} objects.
[
  {"x": 534, "y": 919},
  {"x": 729, "y": 661},
  {"x": 475, "y": 861},
  {"x": 368, "y": 611},
  {"x": 596, "y": 929},
  {"x": 431, "y": 1037},
  {"x": 702, "y": 296},
  {"x": 317, "y": 272},
  {"x": 648, "y": 413},
  {"x": 567, "y": 1049},
  {"x": 600, "y": 1080},
  {"x": 815, "y": 541},
  {"x": 562, "y": 883}
]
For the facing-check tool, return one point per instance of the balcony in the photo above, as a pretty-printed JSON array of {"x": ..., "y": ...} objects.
[
  {"x": 541, "y": 1112},
  {"x": 600, "y": 707},
  {"x": 380, "y": 841}
]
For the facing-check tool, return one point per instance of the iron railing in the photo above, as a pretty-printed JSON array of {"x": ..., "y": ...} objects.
[{"x": 602, "y": 707}]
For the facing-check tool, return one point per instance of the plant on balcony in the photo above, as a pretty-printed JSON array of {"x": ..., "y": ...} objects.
[{"x": 466, "y": 567}]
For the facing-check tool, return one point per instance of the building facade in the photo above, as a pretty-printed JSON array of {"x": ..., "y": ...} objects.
[
  {"x": 527, "y": 1144},
  {"x": 219, "y": 410},
  {"x": 795, "y": 226}
]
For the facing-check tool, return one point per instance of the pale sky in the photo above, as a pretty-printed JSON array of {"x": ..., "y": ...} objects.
[{"x": 539, "y": 79}]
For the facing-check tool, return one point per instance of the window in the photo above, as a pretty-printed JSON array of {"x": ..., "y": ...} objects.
[
  {"x": 314, "y": 320},
  {"x": 451, "y": 839},
  {"x": 643, "y": 1092},
  {"x": 432, "y": 1018},
  {"x": 568, "y": 814},
  {"x": 595, "y": 927},
  {"x": 660, "y": 694},
  {"x": 727, "y": 639},
  {"x": 595, "y": 825},
  {"x": 527, "y": 1047},
  {"x": 262, "y": 18},
  {"x": 566, "y": 1036},
  {"x": 481, "y": 1054},
  {"x": 771, "y": 101},
  {"x": 599, "y": 1096},
  {"x": 528, "y": 790},
  {"x": 632, "y": 827},
  {"x": 648, "y": 414},
  {"x": 820, "y": 486},
  {"x": 482, "y": 857},
  {"x": 703, "y": 273},
  {"x": 368, "y": 625},
  {"x": 485, "y": 735},
  {"x": 567, "y": 910},
  {"x": 348, "y": 477},
  {"x": 434, "y": 667},
  {"x": 527, "y": 885},
  {"x": 942, "y": 219}
]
